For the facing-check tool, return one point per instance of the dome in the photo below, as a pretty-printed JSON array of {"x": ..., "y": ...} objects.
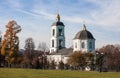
[
  {"x": 58, "y": 22},
  {"x": 84, "y": 34}
]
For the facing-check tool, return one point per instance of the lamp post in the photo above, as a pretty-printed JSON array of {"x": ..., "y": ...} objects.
[{"x": 99, "y": 58}]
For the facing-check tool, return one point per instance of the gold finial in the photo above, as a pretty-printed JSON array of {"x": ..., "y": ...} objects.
[{"x": 58, "y": 17}]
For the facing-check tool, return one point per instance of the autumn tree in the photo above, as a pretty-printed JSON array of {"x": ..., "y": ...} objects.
[
  {"x": 111, "y": 57},
  {"x": 10, "y": 42},
  {"x": 80, "y": 59},
  {"x": 89, "y": 58},
  {"x": 76, "y": 59}
]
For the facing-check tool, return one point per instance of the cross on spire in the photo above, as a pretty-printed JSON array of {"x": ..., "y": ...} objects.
[
  {"x": 58, "y": 17},
  {"x": 84, "y": 27}
]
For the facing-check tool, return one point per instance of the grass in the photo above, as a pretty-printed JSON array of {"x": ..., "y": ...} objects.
[{"x": 32, "y": 73}]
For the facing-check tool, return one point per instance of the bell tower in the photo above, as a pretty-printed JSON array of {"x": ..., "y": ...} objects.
[{"x": 57, "y": 41}]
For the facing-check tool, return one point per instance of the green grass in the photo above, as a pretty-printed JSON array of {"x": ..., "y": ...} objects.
[{"x": 32, "y": 73}]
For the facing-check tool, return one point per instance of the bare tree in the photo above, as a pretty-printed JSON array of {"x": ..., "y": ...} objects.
[
  {"x": 111, "y": 56},
  {"x": 29, "y": 51},
  {"x": 43, "y": 47},
  {"x": 29, "y": 44}
]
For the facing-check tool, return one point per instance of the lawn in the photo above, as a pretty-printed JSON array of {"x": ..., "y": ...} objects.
[{"x": 33, "y": 73}]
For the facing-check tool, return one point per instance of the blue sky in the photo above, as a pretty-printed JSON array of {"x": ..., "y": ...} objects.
[{"x": 102, "y": 19}]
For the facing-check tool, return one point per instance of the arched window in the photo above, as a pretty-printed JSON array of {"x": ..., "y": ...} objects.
[
  {"x": 90, "y": 45},
  {"x": 52, "y": 43},
  {"x": 60, "y": 32},
  {"x": 53, "y": 32},
  {"x": 75, "y": 45},
  {"x": 83, "y": 45},
  {"x": 60, "y": 43}
]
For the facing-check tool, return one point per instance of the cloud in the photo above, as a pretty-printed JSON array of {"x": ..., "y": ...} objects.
[
  {"x": 106, "y": 16},
  {"x": 102, "y": 17},
  {"x": 14, "y": 3}
]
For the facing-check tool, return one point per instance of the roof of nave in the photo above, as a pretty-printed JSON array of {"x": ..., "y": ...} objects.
[{"x": 65, "y": 51}]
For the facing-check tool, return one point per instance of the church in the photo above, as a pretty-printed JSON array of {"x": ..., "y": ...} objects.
[{"x": 83, "y": 41}]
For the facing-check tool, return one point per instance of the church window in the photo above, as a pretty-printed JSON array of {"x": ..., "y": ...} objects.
[
  {"x": 90, "y": 45},
  {"x": 75, "y": 45},
  {"x": 60, "y": 32},
  {"x": 53, "y": 32},
  {"x": 52, "y": 43},
  {"x": 83, "y": 45},
  {"x": 60, "y": 44}
]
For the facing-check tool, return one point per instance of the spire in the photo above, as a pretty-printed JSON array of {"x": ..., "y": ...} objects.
[
  {"x": 58, "y": 17},
  {"x": 84, "y": 27}
]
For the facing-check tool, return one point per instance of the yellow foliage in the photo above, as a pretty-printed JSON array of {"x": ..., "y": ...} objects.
[
  {"x": 12, "y": 60},
  {"x": 10, "y": 53},
  {"x": 10, "y": 41},
  {"x": 7, "y": 59},
  {"x": 3, "y": 50}
]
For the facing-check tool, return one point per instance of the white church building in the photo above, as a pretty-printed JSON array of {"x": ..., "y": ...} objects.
[
  {"x": 57, "y": 41},
  {"x": 83, "y": 41}
]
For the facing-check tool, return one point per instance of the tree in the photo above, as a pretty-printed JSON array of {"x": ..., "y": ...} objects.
[
  {"x": 10, "y": 42},
  {"x": 29, "y": 44},
  {"x": 36, "y": 62},
  {"x": 80, "y": 59},
  {"x": 111, "y": 57},
  {"x": 77, "y": 59},
  {"x": 43, "y": 47},
  {"x": 89, "y": 57},
  {"x": 29, "y": 51},
  {"x": 52, "y": 64},
  {"x": 61, "y": 65}
]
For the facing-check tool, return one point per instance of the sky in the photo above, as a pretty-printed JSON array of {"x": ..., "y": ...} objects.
[{"x": 101, "y": 17}]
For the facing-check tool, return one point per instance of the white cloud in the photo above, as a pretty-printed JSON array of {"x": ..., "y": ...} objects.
[
  {"x": 14, "y": 3},
  {"x": 107, "y": 16}
]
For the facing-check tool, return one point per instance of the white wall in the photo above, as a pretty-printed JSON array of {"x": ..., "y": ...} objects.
[
  {"x": 57, "y": 58},
  {"x": 76, "y": 41},
  {"x": 93, "y": 44},
  {"x": 56, "y": 38},
  {"x": 79, "y": 47}
]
